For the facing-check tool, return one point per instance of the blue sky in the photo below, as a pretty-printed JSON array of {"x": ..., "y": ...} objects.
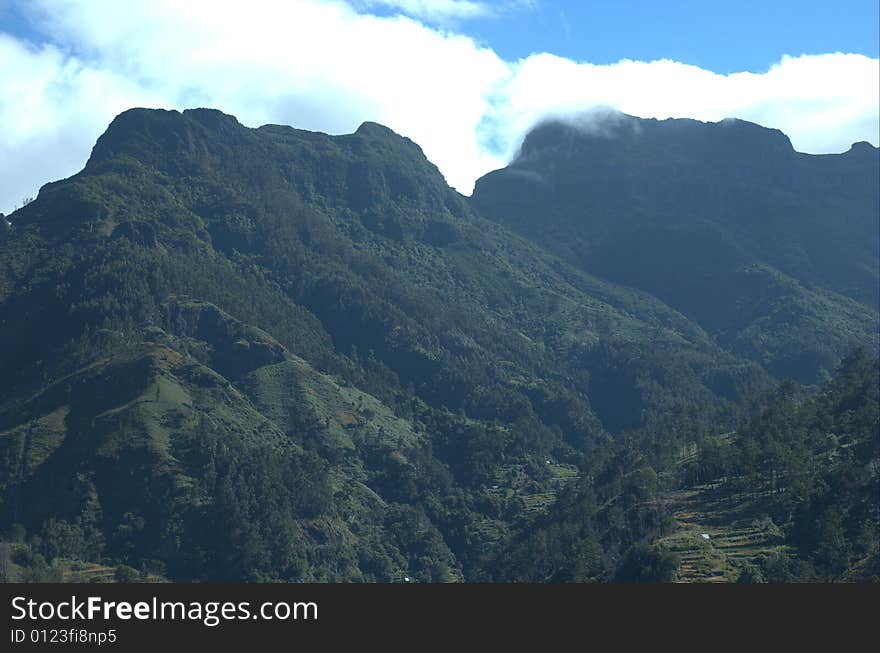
[
  {"x": 725, "y": 37},
  {"x": 466, "y": 79}
]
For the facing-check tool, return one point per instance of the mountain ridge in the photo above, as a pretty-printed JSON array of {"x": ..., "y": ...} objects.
[
  {"x": 680, "y": 205},
  {"x": 315, "y": 339}
]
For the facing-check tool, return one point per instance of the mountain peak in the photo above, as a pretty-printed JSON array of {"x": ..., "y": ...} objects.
[
  {"x": 370, "y": 128},
  {"x": 863, "y": 147},
  {"x": 590, "y": 125},
  {"x": 376, "y": 133},
  {"x": 149, "y": 135},
  {"x": 223, "y": 124},
  {"x": 609, "y": 131}
]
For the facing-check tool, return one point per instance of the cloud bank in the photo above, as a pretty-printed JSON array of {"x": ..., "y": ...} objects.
[{"x": 330, "y": 65}]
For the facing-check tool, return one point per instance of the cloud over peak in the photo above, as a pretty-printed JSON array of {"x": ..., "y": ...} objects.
[{"x": 331, "y": 65}]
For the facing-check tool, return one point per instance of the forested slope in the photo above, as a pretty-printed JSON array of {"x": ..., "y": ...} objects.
[{"x": 270, "y": 354}]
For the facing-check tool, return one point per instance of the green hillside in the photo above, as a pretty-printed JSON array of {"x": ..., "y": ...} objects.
[
  {"x": 790, "y": 495},
  {"x": 773, "y": 252},
  {"x": 269, "y": 354}
]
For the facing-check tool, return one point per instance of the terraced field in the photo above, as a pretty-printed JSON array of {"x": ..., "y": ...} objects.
[
  {"x": 64, "y": 570},
  {"x": 715, "y": 538},
  {"x": 512, "y": 480}
]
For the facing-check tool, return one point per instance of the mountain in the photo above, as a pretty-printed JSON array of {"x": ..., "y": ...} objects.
[
  {"x": 277, "y": 355},
  {"x": 773, "y": 252},
  {"x": 789, "y": 496}
]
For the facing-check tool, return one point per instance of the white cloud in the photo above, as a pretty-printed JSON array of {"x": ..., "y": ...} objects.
[
  {"x": 52, "y": 109},
  {"x": 446, "y": 12},
  {"x": 322, "y": 65},
  {"x": 823, "y": 102},
  {"x": 435, "y": 10}
]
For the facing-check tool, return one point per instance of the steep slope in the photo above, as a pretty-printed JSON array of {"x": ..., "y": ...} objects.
[
  {"x": 339, "y": 244},
  {"x": 153, "y": 457},
  {"x": 773, "y": 252},
  {"x": 270, "y": 354},
  {"x": 125, "y": 295},
  {"x": 790, "y": 495}
]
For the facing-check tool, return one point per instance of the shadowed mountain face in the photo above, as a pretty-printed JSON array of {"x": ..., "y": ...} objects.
[
  {"x": 271, "y": 354},
  {"x": 773, "y": 252}
]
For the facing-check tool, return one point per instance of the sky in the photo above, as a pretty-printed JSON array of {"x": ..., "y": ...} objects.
[{"x": 465, "y": 79}]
